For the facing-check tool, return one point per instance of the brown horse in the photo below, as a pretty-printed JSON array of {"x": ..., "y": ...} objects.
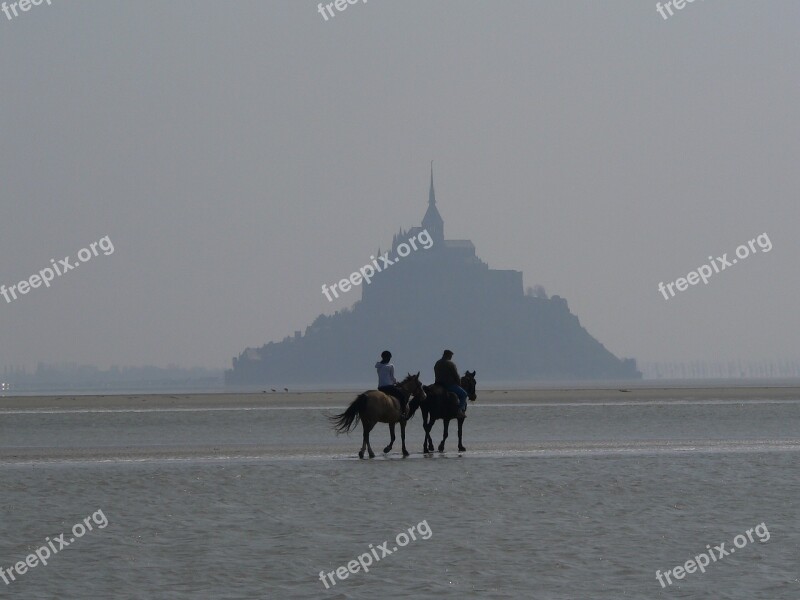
[
  {"x": 374, "y": 407},
  {"x": 441, "y": 404}
]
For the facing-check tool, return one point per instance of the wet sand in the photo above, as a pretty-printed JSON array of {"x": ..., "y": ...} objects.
[
  {"x": 572, "y": 493},
  {"x": 337, "y": 399},
  {"x": 277, "y": 425}
]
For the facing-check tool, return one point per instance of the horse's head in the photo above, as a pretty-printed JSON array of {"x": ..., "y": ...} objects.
[
  {"x": 468, "y": 383},
  {"x": 413, "y": 386}
]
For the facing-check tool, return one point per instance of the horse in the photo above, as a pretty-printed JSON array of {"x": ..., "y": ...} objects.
[
  {"x": 441, "y": 404},
  {"x": 374, "y": 407}
]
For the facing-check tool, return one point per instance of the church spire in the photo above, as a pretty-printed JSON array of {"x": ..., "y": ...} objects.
[
  {"x": 433, "y": 221},
  {"x": 432, "y": 193}
]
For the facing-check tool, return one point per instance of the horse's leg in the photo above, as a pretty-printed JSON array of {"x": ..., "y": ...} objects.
[
  {"x": 366, "y": 436},
  {"x": 428, "y": 443},
  {"x": 425, "y": 429},
  {"x": 428, "y": 438},
  {"x": 460, "y": 427},
  {"x": 391, "y": 442},
  {"x": 402, "y": 436},
  {"x": 444, "y": 436},
  {"x": 431, "y": 422}
]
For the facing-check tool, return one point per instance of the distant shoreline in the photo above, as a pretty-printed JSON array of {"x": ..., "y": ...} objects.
[{"x": 334, "y": 399}]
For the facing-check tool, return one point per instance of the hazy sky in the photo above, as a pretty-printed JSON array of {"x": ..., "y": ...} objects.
[{"x": 239, "y": 155}]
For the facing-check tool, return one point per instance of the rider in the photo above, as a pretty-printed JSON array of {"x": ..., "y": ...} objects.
[
  {"x": 447, "y": 376},
  {"x": 387, "y": 382}
]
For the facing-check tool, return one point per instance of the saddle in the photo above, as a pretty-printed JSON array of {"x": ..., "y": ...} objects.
[
  {"x": 437, "y": 389},
  {"x": 397, "y": 393}
]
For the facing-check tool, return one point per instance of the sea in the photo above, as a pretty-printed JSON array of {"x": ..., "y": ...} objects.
[{"x": 588, "y": 495}]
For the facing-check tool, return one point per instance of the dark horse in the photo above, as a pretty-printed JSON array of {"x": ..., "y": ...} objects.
[
  {"x": 374, "y": 407},
  {"x": 441, "y": 404}
]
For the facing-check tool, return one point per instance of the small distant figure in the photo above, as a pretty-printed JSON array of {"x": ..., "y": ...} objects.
[
  {"x": 447, "y": 376},
  {"x": 273, "y": 389},
  {"x": 387, "y": 383},
  {"x": 285, "y": 389}
]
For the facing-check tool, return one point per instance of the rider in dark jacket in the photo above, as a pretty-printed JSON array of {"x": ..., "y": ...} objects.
[{"x": 446, "y": 374}]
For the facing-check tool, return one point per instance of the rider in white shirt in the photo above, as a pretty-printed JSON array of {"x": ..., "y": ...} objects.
[{"x": 387, "y": 382}]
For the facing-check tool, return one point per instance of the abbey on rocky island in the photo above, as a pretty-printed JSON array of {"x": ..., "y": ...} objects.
[{"x": 442, "y": 297}]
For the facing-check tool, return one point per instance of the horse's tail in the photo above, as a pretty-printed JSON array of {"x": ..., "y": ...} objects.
[{"x": 348, "y": 420}]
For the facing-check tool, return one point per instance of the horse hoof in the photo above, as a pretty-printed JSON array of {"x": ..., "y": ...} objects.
[
  {"x": 387, "y": 449},
  {"x": 361, "y": 454},
  {"x": 441, "y": 448},
  {"x": 372, "y": 455},
  {"x": 405, "y": 453},
  {"x": 462, "y": 449}
]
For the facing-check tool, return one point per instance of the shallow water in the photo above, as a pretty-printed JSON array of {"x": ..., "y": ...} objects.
[{"x": 549, "y": 501}]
